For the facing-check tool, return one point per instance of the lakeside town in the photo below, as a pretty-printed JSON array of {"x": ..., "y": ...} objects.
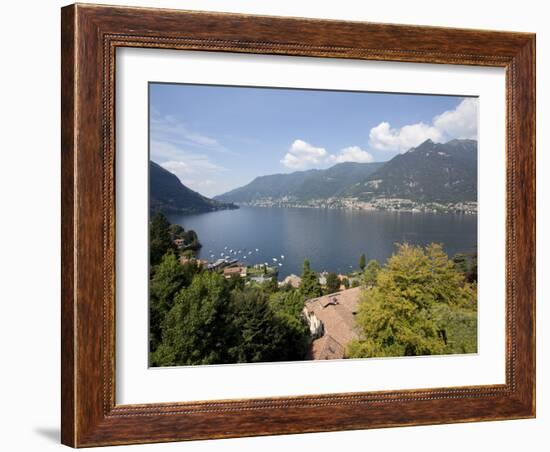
[{"x": 384, "y": 204}]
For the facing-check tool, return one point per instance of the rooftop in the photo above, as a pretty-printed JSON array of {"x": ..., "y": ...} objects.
[
  {"x": 326, "y": 347},
  {"x": 337, "y": 313}
]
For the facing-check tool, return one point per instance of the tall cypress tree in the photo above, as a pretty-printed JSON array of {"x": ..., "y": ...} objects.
[
  {"x": 310, "y": 286},
  {"x": 362, "y": 262}
]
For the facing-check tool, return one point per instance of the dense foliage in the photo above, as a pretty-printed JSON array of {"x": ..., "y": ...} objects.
[
  {"x": 160, "y": 241},
  {"x": 420, "y": 304},
  {"x": 214, "y": 320}
]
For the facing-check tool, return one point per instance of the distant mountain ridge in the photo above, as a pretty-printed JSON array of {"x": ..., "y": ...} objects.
[
  {"x": 168, "y": 195},
  {"x": 302, "y": 185},
  {"x": 429, "y": 173}
]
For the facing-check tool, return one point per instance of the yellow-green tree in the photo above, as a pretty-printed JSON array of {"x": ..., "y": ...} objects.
[{"x": 420, "y": 305}]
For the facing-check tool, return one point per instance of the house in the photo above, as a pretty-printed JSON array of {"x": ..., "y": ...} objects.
[
  {"x": 180, "y": 243},
  {"x": 332, "y": 324},
  {"x": 230, "y": 272},
  {"x": 200, "y": 262},
  {"x": 326, "y": 347},
  {"x": 293, "y": 280},
  {"x": 260, "y": 279},
  {"x": 323, "y": 278},
  {"x": 218, "y": 264}
]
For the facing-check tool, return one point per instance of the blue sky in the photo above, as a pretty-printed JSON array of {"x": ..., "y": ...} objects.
[{"x": 217, "y": 138}]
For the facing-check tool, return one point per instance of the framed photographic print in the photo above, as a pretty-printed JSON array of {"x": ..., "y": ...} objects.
[{"x": 281, "y": 225}]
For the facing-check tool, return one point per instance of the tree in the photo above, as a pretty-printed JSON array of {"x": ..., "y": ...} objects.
[
  {"x": 362, "y": 262},
  {"x": 257, "y": 333},
  {"x": 290, "y": 302},
  {"x": 270, "y": 286},
  {"x": 296, "y": 338},
  {"x": 160, "y": 241},
  {"x": 345, "y": 283},
  {"x": 176, "y": 231},
  {"x": 169, "y": 278},
  {"x": 191, "y": 240},
  {"x": 467, "y": 264},
  {"x": 419, "y": 299},
  {"x": 371, "y": 273},
  {"x": 195, "y": 329},
  {"x": 310, "y": 286},
  {"x": 333, "y": 283}
]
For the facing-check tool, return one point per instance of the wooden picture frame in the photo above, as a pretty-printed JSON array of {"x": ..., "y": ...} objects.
[{"x": 90, "y": 36}]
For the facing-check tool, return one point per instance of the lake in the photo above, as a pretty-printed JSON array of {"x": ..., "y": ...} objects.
[{"x": 332, "y": 239}]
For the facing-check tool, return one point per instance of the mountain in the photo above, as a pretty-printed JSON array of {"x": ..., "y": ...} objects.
[
  {"x": 303, "y": 185},
  {"x": 168, "y": 194},
  {"x": 430, "y": 172}
]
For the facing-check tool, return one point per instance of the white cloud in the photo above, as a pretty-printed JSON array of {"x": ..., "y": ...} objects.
[
  {"x": 194, "y": 170},
  {"x": 385, "y": 138},
  {"x": 168, "y": 128},
  {"x": 302, "y": 155},
  {"x": 351, "y": 154},
  {"x": 458, "y": 123}
]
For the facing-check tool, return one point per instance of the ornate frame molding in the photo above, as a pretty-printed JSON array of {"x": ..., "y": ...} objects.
[{"x": 90, "y": 37}]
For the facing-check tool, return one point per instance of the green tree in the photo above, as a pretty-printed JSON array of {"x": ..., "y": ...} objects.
[
  {"x": 195, "y": 329},
  {"x": 168, "y": 279},
  {"x": 191, "y": 240},
  {"x": 189, "y": 254},
  {"x": 160, "y": 241},
  {"x": 310, "y": 286},
  {"x": 362, "y": 262},
  {"x": 333, "y": 283},
  {"x": 296, "y": 337},
  {"x": 257, "y": 334},
  {"x": 409, "y": 310},
  {"x": 176, "y": 231},
  {"x": 345, "y": 283},
  {"x": 270, "y": 286},
  {"x": 457, "y": 327},
  {"x": 371, "y": 273},
  {"x": 467, "y": 264},
  {"x": 290, "y": 302}
]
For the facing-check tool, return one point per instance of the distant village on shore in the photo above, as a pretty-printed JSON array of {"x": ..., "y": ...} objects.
[{"x": 387, "y": 204}]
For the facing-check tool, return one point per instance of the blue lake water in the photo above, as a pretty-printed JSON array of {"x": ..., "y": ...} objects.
[{"x": 332, "y": 239}]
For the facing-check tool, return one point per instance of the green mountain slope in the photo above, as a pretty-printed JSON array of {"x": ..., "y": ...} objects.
[{"x": 169, "y": 195}]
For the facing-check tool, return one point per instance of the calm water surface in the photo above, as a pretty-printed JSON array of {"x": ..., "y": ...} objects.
[{"x": 331, "y": 239}]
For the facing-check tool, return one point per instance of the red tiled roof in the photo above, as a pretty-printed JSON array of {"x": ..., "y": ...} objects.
[
  {"x": 337, "y": 312},
  {"x": 326, "y": 347}
]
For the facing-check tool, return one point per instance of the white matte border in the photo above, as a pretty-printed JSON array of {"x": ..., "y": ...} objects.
[{"x": 136, "y": 383}]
